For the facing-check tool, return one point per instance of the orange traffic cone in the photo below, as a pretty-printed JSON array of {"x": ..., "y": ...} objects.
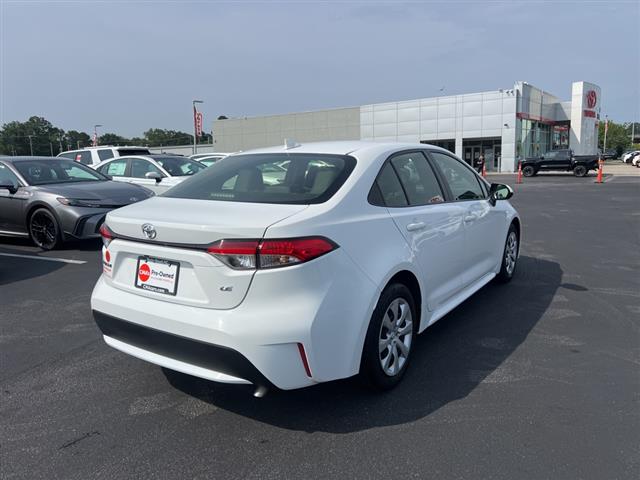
[
  {"x": 519, "y": 178},
  {"x": 484, "y": 169},
  {"x": 600, "y": 165}
]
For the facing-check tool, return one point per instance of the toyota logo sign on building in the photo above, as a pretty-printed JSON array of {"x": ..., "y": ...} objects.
[{"x": 592, "y": 99}]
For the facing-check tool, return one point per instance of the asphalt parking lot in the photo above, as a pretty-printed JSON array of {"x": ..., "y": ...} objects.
[{"x": 536, "y": 379}]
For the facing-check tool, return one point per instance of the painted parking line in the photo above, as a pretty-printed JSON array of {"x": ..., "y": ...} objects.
[{"x": 50, "y": 259}]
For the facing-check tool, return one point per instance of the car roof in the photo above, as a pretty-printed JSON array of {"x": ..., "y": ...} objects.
[
  {"x": 26, "y": 158},
  {"x": 345, "y": 148},
  {"x": 105, "y": 146}
]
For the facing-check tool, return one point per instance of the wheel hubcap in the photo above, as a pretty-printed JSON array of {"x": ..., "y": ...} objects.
[
  {"x": 396, "y": 333},
  {"x": 43, "y": 230},
  {"x": 511, "y": 252}
]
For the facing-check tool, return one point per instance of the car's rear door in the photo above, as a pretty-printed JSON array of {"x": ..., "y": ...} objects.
[
  {"x": 483, "y": 223},
  {"x": 432, "y": 227}
]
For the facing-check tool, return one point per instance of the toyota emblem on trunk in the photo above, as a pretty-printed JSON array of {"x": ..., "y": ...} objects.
[{"x": 149, "y": 231}]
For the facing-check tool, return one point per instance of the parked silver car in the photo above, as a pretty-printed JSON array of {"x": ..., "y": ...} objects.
[{"x": 52, "y": 200}]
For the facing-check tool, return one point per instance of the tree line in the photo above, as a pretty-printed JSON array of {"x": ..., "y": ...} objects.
[
  {"x": 619, "y": 136},
  {"x": 38, "y": 136}
]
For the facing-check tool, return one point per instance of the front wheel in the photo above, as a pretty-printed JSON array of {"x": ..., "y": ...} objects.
[
  {"x": 44, "y": 229},
  {"x": 387, "y": 346},
  {"x": 580, "y": 170},
  {"x": 528, "y": 171},
  {"x": 509, "y": 257}
]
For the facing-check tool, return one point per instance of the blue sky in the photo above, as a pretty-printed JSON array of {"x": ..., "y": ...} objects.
[{"x": 135, "y": 65}]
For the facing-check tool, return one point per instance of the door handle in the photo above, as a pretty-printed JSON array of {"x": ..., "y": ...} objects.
[{"x": 412, "y": 227}]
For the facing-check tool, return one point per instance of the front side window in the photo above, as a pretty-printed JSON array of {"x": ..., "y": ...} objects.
[
  {"x": 284, "y": 178},
  {"x": 105, "y": 154},
  {"x": 417, "y": 178},
  {"x": 179, "y": 167},
  {"x": 116, "y": 168},
  {"x": 6, "y": 175},
  {"x": 69, "y": 155},
  {"x": 42, "y": 172},
  {"x": 462, "y": 181},
  {"x": 139, "y": 168}
]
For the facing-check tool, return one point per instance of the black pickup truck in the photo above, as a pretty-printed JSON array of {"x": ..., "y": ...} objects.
[{"x": 560, "y": 160}]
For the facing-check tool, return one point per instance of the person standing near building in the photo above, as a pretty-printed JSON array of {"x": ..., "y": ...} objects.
[{"x": 479, "y": 163}]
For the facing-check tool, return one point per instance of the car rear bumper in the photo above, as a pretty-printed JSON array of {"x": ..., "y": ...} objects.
[
  {"x": 190, "y": 356},
  {"x": 323, "y": 306}
]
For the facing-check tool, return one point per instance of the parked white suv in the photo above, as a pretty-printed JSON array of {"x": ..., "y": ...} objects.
[
  {"x": 329, "y": 272},
  {"x": 92, "y": 156}
]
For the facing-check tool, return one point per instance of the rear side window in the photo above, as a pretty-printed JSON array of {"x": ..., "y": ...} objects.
[
  {"x": 417, "y": 178},
  {"x": 116, "y": 168},
  {"x": 292, "y": 178},
  {"x": 462, "y": 181},
  {"x": 105, "y": 154},
  {"x": 387, "y": 190},
  {"x": 84, "y": 157},
  {"x": 69, "y": 155}
]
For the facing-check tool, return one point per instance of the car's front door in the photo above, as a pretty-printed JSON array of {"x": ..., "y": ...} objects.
[
  {"x": 432, "y": 227},
  {"x": 483, "y": 223},
  {"x": 139, "y": 169},
  {"x": 12, "y": 205}
]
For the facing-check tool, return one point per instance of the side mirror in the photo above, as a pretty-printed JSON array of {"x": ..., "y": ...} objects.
[
  {"x": 499, "y": 191},
  {"x": 8, "y": 185},
  {"x": 109, "y": 177},
  {"x": 153, "y": 175}
]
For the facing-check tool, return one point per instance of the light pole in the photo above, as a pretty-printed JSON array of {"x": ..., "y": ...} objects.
[
  {"x": 95, "y": 134},
  {"x": 606, "y": 127},
  {"x": 195, "y": 128},
  {"x": 31, "y": 143}
]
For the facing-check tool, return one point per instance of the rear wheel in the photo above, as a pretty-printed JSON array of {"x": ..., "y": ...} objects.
[
  {"x": 44, "y": 229},
  {"x": 580, "y": 170},
  {"x": 510, "y": 256},
  {"x": 387, "y": 346},
  {"x": 528, "y": 171}
]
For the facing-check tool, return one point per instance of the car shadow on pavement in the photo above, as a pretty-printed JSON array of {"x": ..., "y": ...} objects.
[
  {"x": 13, "y": 269},
  {"x": 450, "y": 359}
]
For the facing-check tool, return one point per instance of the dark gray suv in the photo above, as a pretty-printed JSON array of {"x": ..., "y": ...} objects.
[{"x": 52, "y": 200}]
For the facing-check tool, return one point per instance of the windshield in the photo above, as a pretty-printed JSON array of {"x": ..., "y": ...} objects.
[
  {"x": 178, "y": 166},
  {"x": 300, "y": 178},
  {"x": 60, "y": 170}
]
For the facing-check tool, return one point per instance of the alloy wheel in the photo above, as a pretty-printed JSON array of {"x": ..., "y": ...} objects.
[
  {"x": 396, "y": 334},
  {"x": 44, "y": 231},
  {"x": 511, "y": 253}
]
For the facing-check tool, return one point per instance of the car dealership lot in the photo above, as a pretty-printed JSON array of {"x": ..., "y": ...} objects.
[{"x": 534, "y": 379}]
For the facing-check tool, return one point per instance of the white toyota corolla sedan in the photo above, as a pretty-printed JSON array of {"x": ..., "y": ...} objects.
[{"x": 327, "y": 273}]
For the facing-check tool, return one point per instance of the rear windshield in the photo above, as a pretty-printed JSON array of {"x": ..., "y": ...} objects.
[
  {"x": 297, "y": 178},
  {"x": 133, "y": 151},
  {"x": 45, "y": 172}
]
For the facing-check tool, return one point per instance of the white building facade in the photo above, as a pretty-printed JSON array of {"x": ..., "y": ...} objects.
[{"x": 504, "y": 125}]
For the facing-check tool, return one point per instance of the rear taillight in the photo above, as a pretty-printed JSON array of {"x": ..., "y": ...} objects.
[
  {"x": 107, "y": 235},
  {"x": 252, "y": 254}
]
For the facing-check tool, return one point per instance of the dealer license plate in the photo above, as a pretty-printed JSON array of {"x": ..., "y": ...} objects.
[{"x": 157, "y": 275}]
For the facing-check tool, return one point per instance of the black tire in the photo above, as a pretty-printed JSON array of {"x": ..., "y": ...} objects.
[
  {"x": 371, "y": 365},
  {"x": 507, "y": 271},
  {"x": 44, "y": 229},
  {"x": 580, "y": 171},
  {"x": 528, "y": 171}
]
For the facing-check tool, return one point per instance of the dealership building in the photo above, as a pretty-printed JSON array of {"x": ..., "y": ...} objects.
[{"x": 503, "y": 125}]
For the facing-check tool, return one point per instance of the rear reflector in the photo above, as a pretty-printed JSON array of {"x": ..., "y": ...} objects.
[
  {"x": 270, "y": 253},
  {"x": 305, "y": 361}
]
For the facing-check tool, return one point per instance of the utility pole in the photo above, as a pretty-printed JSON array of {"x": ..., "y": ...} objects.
[
  {"x": 31, "y": 143},
  {"x": 60, "y": 140},
  {"x": 195, "y": 129},
  {"x": 95, "y": 135},
  {"x": 51, "y": 148},
  {"x": 633, "y": 131}
]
